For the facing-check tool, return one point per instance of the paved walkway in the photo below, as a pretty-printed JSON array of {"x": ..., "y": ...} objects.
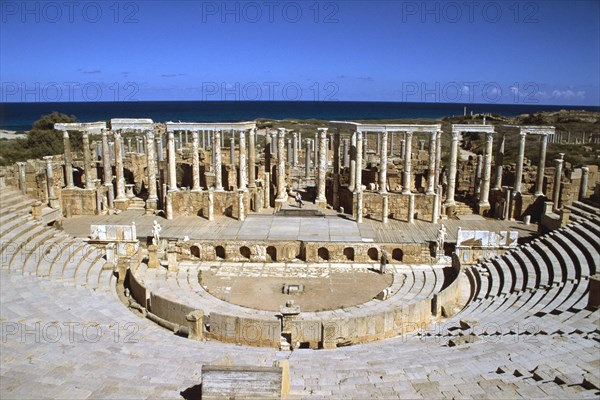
[{"x": 330, "y": 228}]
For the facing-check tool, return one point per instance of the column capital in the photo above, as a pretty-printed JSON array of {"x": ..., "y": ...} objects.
[
  {"x": 455, "y": 135},
  {"x": 117, "y": 134},
  {"x": 65, "y": 134},
  {"x": 585, "y": 170}
]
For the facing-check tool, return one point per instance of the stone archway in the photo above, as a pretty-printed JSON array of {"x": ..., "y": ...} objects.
[
  {"x": 323, "y": 253},
  {"x": 397, "y": 254},
  {"x": 245, "y": 252},
  {"x": 272, "y": 252},
  {"x": 349, "y": 253},
  {"x": 220, "y": 252},
  {"x": 195, "y": 251},
  {"x": 373, "y": 254}
]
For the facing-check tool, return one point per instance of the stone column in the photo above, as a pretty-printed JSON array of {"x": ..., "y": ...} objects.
[
  {"x": 346, "y": 153},
  {"x": 585, "y": 171},
  {"x": 359, "y": 156},
  {"x": 152, "y": 202},
  {"x": 180, "y": 141},
  {"x": 160, "y": 147},
  {"x": 378, "y": 143},
  {"x": 252, "y": 158},
  {"x": 499, "y": 162},
  {"x": 436, "y": 209},
  {"x": 274, "y": 144},
  {"x": 289, "y": 151},
  {"x": 391, "y": 144},
  {"x": 407, "y": 164},
  {"x": 22, "y": 177},
  {"x": 129, "y": 144},
  {"x": 87, "y": 161},
  {"x": 520, "y": 160},
  {"x": 507, "y": 203},
  {"x": 243, "y": 167},
  {"x": 217, "y": 160},
  {"x": 232, "y": 150},
  {"x": 478, "y": 175},
  {"x": 281, "y": 194},
  {"x": 383, "y": 162},
  {"x": 195, "y": 163},
  {"x": 358, "y": 178},
  {"x": 431, "y": 172},
  {"x": 411, "y": 208},
  {"x": 119, "y": 168},
  {"x": 365, "y": 146},
  {"x": 359, "y": 207},
  {"x": 295, "y": 150},
  {"x": 385, "y": 208},
  {"x": 307, "y": 159},
  {"x": 211, "y": 202},
  {"x": 172, "y": 164},
  {"x": 52, "y": 200},
  {"x": 336, "y": 169},
  {"x": 267, "y": 192},
  {"x": 438, "y": 161},
  {"x": 68, "y": 160},
  {"x": 539, "y": 181},
  {"x": 316, "y": 151},
  {"x": 484, "y": 195},
  {"x": 106, "y": 159},
  {"x": 557, "y": 179},
  {"x": 352, "y": 183},
  {"x": 241, "y": 210},
  {"x": 322, "y": 171},
  {"x": 402, "y": 148},
  {"x": 452, "y": 170}
]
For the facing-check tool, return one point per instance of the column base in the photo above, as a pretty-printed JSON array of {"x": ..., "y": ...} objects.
[
  {"x": 279, "y": 203},
  {"x": 122, "y": 204},
  {"x": 151, "y": 206},
  {"x": 449, "y": 207},
  {"x": 321, "y": 203},
  {"x": 483, "y": 208}
]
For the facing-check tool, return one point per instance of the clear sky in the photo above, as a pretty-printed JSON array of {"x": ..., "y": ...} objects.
[{"x": 511, "y": 52}]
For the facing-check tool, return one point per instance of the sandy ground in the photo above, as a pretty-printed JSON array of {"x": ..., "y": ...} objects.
[
  {"x": 4, "y": 134},
  {"x": 343, "y": 288}
]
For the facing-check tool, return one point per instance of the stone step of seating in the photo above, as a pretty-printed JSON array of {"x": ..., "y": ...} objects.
[
  {"x": 548, "y": 259},
  {"x": 587, "y": 245},
  {"x": 579, "y": 212},
  {"x": 577, "y": 257},
  {"x": 566, "y": 267},
  {"x": 18, "y": 250},
  {"x": 586, "y": 207},
  {"x": 18, "y": 238},
  {"x": 43, "y": 253},
  {"x": 34, "y": 249},
  {"x": 545, "y": 280},
  {"x": 66, "y": 255},
  {"x": 92, "y": 279},
  {"x": 17, "y": 204},
  {"x": 87, "y": 261},
  {"x": 588, "y": 230},
  {"x": 10, "y": 231}
]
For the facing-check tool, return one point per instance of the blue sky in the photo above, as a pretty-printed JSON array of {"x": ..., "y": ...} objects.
[{"x": 511, "y": 52}]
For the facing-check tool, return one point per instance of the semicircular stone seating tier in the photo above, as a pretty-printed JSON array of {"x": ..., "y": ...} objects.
[{"x": 547, "y": 344}]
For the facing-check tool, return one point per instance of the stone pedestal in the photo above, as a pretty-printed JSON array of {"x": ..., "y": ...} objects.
[
  {"x": 153, "y": 261},
  {"x": 172, "y": 265},
  {"x": 195, "y": 325}
]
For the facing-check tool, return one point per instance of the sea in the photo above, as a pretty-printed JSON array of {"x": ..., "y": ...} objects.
[{"x": 20, "y": 116}]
